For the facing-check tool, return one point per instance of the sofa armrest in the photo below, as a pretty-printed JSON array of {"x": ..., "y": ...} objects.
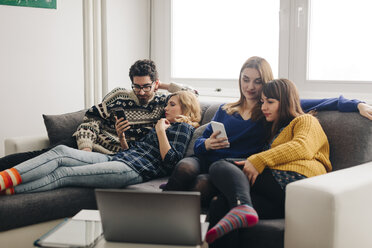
[
  {"x": 25, "y": 144},
  {"x": 331, "y": 210}
]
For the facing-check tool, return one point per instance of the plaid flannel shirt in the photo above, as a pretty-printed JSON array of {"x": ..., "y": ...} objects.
[{"x": 144, "y": 156}]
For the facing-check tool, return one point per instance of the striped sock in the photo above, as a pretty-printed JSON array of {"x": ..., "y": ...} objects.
[
  {"x": 9, "y": 178},
  {"x": 9, "y": 191},
  {"x": 238, "y": 217}
]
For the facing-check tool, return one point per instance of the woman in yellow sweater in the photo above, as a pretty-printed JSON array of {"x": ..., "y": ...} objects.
[{"x": 297, "y": 148}]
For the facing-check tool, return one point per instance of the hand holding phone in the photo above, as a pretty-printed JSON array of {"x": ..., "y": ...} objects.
[
  {"x": 120, "y": 114},
  {"x": 218, "y": 126},
  {"x": 122, "y": 125},
  {"x": 215, "y": 142}
]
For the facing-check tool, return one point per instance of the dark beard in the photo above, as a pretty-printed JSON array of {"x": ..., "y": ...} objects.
[
  {"x": 143, "y": 101},
  {"x": 146, "y": 100}
]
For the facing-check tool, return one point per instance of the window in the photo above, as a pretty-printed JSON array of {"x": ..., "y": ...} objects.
[
  {"x": 330, "y": 48},
  {"x": 340, "y": 40},
  {"x": 212, "y": 38},
  {"x": 324, "y": 46}
]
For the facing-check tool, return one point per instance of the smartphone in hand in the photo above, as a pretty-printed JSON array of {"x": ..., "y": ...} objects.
[
  {"x": 218, "y": 126},
  {"x": 120, "y": 113}
]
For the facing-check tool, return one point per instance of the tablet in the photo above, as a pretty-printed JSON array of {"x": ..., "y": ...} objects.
[{"x": 72, "y": 233}]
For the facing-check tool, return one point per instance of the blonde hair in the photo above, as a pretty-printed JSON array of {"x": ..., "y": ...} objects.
[
  {"x": 266, "y": 74},
  {"x": 191, "y": 111}
]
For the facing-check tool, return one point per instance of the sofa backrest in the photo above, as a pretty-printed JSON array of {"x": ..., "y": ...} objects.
[
  {"x": 208, "y": 111},
  {"x": 349, "y": 136}
]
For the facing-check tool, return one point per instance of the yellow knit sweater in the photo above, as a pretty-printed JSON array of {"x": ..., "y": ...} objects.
[{"x": 302, "y": 147}]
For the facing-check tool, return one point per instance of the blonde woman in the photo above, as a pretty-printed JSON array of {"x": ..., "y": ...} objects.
[{"x": 153, "y": 156}]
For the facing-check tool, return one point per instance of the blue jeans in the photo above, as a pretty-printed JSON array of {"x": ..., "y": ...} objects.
[
  {"x": 64, "y": 166},
  {"x": 266, "y": 195}
]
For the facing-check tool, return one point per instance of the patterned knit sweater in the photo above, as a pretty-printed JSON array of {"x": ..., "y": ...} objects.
[
  {"x": 301, "y": 147},
  {"x": 98, "y": 128}
]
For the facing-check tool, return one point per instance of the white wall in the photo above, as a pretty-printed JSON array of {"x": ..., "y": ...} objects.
[
  {"x": 128, "y": 38},
  {"x": 41, "y": 66},
  {"x": 41, "y": 59}
]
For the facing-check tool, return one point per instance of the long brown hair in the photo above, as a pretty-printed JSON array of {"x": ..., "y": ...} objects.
[
  {"x": 190, "y": 106},
  {"x": 285, "y": 91},
  {"x": 266, "y": 74}
]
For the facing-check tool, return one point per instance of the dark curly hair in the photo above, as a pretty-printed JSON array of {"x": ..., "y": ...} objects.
[{"x": 142, "y": 68}]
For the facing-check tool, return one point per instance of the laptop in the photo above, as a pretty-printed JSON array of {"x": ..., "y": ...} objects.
[{"x": 171, "y": 217}]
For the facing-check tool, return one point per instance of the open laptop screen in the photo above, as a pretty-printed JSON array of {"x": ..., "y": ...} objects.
[{"x": 150, "y": 217}]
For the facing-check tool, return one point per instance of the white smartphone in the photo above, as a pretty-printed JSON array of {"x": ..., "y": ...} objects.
[{"x": 218, "y": 126}]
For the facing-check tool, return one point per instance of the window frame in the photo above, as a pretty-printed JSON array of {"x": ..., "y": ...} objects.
[
  {"x": 298, "y": 63},
  {"x": 161, "y": 52},
  {"x": 293, "y": 48}
]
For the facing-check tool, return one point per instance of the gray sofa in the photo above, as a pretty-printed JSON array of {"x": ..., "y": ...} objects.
[{"x": 350, "y": 138}]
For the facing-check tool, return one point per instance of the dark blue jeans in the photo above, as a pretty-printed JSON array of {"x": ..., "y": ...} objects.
[
  {"x": 266, "y": 195},
  {"x": 191, "y": 174}
]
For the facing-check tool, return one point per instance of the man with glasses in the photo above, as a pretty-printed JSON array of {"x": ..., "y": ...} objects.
[{"x": 143, "y": 106}]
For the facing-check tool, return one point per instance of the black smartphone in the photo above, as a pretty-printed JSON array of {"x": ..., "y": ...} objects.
[{"x": 120, "y": 113}]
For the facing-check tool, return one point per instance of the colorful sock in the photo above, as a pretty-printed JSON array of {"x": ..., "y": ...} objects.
[
  {"x": 9, "y": 178},
  {"x": 238, "y": 217},
  {"x": 9, "y": 191}
]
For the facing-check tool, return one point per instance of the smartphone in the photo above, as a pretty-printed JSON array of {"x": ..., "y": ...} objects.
[
  {"x": 233, "y": 160},
  {"x": 218, "y": 126},
  {"x": 120, "y": 113}
]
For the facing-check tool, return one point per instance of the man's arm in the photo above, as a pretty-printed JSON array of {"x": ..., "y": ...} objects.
[
  {"x": 174, "y": 87},
  {"x": 163, "y": 86},
  {"x": 87, "y": 132}
]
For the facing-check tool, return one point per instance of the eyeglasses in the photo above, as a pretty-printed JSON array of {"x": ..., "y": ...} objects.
[{"x": 146, "y": 88}]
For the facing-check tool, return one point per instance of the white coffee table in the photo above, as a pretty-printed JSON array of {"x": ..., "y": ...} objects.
[{"x": 24, "y": 237}]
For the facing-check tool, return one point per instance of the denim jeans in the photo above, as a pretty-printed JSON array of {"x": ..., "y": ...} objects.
[
  {"x": 12, "y": 160},
  {"x": 64, "y": 166},
  {"x": 266, "y": 195}
]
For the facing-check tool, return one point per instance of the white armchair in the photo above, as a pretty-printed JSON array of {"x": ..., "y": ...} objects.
[{"x": 331, "y": 210}]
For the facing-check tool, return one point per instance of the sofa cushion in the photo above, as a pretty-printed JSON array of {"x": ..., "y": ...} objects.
[
  {"x": 26, "y": 209},
  {"x": 209, "y": 112},
  {"x": 61, "y": 127},
  {"x": 153, "y": 185},
  {"x": 349, "y": 136},
  {"x": 198, "y": 133},
  {"x": 203, "y": 106},
  {"x": 267, "y": 233}
]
